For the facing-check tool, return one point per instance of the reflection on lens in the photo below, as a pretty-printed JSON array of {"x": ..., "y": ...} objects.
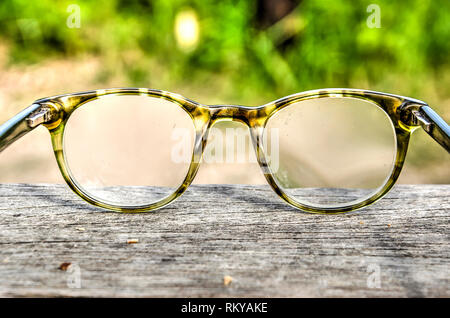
[
  {"x": 332, "y": 152},
  {"x": 129, "y": 150}
]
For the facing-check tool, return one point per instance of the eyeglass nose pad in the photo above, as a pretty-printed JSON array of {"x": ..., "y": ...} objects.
[
  {"x": 248, "y": 116},
  {"x": 229, "y": 147},
  {"x": 257, "y": 136}
]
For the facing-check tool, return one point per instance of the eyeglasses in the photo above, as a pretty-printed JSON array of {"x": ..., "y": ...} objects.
[{"x": 138, "y": 149}]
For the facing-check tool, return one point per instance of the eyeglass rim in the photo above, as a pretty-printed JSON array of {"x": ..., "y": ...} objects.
[{"x": 204, "y": 116}]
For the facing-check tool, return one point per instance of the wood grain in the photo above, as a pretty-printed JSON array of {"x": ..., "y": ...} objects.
[{"x": 396, "y": 247}]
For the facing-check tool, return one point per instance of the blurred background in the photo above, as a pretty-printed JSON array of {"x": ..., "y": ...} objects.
[{"x": 242, "y": 52}]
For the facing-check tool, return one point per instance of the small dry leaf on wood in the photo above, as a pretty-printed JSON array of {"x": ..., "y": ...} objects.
[
  {"x": 227, "y": 280},
  {"x": 64, "y": 266}
]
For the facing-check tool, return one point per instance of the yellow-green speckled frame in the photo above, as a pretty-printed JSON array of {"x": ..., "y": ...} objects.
[{"x": 406, "y": 115}]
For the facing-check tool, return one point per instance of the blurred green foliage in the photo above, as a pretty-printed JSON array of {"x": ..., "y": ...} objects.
[
  {"x": 319, "y": 44},
  {"x": 241, "y": 56}
]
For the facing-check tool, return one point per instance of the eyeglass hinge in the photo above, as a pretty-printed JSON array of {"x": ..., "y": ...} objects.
[
  {"x": 409, "y": 114},
  {"x": 42, "y": 115},
  {"x": 422, "y": 120}
]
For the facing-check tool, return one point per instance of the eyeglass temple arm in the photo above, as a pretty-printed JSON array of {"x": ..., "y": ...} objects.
[
  {"x": 434, "y": 125},
  {"x": 22, "y": 123}
]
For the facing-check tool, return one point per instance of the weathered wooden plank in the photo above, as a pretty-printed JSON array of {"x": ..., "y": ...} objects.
[{"x": 397, "y": 247}]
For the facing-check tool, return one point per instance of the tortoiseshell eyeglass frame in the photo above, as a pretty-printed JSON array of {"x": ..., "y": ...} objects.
[{"x": 406, "y": 115}]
